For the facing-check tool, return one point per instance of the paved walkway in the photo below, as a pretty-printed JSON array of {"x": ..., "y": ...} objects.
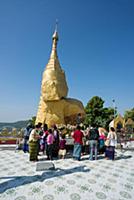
[{"x": 71, "y": 180}]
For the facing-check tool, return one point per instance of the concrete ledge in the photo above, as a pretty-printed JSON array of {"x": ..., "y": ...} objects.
[{"x": 44, "y": 165}]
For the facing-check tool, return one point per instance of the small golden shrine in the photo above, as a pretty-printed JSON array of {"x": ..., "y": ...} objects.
[{"x": 120, "y": 123}]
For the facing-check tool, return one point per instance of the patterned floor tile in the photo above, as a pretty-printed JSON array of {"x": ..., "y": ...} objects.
[{"x": 72, "y": 180}]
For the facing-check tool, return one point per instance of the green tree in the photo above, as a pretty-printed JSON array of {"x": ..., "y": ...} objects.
[
  {"x": 93, "y": 111},
  {"x": 129, "y": 114},
  {"x": 97, "y": 115},
  {"x": 32, "y": 120},
  {"x": 107, "y": 116}
]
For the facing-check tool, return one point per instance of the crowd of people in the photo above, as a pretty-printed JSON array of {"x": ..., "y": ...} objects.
[
  {"x": 52, "y": 142},
  {"x": 98, "y": 143}
]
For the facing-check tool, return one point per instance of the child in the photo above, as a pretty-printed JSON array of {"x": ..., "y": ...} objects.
[
  {"x": 19, "y": 144},
  {"x": 62, "y": 147}
]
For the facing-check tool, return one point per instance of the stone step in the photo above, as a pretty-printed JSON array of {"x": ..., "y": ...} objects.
[{"x": 44, "y": 165}]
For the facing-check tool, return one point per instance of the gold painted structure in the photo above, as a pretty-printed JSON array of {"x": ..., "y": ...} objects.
[
  {"x": 119, "y": 121},
  {"x": 54, "y": 106}
]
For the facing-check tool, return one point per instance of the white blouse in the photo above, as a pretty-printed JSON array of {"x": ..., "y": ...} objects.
[{"x": 112, "y": 138}]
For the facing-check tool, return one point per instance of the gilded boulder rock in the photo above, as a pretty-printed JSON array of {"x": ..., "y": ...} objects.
[{"x": 54, "y": 106}]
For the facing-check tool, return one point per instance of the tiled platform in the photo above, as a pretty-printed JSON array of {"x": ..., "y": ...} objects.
[{"x": 71, "y": 180}]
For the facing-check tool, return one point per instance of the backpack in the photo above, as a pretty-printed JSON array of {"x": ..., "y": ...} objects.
[
  {"x": 94, "y": 134},
  {"x": 27, "y": 133}
]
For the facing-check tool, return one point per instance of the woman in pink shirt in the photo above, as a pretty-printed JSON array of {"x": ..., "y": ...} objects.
[
  {"x": 102, "y": 139},
  {"x": 50, "y": 141}
]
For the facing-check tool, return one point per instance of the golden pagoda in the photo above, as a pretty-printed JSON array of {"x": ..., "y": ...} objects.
[{"x": 54, "y": 106}]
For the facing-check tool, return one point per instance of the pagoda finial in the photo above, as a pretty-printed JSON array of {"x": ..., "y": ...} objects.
[
  {"x": 56, "y": 25},
  {"x": 55, "y": 35}
]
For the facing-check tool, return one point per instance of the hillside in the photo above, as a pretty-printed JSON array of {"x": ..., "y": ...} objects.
[{"x": 18, "y": 125}]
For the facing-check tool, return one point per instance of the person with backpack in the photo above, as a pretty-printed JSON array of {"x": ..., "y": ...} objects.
[
  {"x": 93, "y": 142},
  {"x": 27, "y": 132}
]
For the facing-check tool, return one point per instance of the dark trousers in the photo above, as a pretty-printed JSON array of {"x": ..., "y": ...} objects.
[
  {"x": 110, "y": 151},
  {"x": 49, "y": 151}
]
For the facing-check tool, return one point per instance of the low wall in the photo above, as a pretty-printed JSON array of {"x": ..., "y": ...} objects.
[{"x": 7, "y": 140}]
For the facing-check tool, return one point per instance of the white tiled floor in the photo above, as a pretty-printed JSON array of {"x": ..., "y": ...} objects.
[{"x": 72, "y": 180}]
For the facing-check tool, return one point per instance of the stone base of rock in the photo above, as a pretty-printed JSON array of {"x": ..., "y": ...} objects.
[{"x": 44, "y": 165}]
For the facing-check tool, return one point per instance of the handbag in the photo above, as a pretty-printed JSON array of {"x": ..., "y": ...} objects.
[{"x": 107, "y": 143}]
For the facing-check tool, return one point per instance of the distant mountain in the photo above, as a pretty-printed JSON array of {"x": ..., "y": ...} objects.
[{"x": 18, "y": 125}]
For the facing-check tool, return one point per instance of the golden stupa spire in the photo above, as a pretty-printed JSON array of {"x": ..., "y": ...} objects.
[
  {"x": 54, "y": 85},
  {"x": 54, "y": 45}
]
